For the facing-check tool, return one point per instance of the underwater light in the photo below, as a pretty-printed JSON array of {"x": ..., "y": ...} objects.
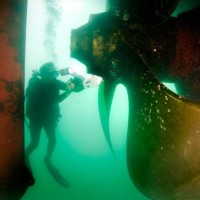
[
  {"x": 88, "y": 82},
  {"x": 70, "y": 71},
  {"x": 66, "y": 71}
]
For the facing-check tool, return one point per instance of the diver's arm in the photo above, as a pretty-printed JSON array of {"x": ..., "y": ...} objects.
[{"x": 63, "y": 96}]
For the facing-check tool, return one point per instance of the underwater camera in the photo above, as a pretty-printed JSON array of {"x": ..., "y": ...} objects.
[{"x": 76, "y": 79}]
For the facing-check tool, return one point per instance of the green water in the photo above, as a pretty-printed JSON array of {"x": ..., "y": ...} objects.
[{"x": 81, "y": 155}]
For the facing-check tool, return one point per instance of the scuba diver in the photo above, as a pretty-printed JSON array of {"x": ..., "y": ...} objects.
[{"x": 42, "y": 107}]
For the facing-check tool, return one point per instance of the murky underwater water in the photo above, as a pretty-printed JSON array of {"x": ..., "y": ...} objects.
[{"x": 81, "y": 155}]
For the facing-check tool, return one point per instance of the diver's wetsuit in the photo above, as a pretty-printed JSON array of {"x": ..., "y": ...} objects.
[{"x": 42, "y": 109}]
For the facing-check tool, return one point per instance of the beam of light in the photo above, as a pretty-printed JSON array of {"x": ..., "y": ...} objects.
[{"x": 70, "y": 6}]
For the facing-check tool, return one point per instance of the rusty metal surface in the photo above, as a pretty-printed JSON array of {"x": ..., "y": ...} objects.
[{"x": 12, "y": 38}]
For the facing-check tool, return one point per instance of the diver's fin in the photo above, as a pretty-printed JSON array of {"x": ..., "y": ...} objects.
[
  {"x": 56, "y": 174},
  {"x": 105, "y": 97}
]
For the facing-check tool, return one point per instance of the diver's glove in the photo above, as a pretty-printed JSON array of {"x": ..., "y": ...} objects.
[
  {"x": 77, "y": 80},
  {"x": 92, "y": 81}
]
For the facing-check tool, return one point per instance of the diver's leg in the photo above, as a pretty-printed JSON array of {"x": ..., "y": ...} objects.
[
  {"x": 35, "y": 131},
  {"x": 50, "y": 129}
]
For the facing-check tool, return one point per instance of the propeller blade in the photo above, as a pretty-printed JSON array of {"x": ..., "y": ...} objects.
[{"x": 105, "y": 97}]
